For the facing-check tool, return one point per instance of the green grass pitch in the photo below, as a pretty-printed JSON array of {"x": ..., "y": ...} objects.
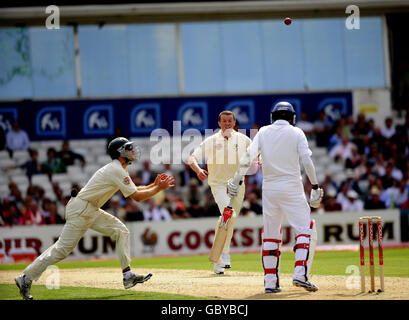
[{"x": 325, "y": 263}]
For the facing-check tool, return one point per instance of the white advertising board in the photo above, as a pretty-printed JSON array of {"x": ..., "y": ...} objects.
[{"x": 195, "y": 236}]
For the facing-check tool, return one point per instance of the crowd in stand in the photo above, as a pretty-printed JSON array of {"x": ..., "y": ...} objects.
[{"x": 375, "y": 160}]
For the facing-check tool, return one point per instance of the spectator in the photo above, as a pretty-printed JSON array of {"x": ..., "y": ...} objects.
[
  {"x": 388, "y": 130},
  {"x": 342, "y": 151},
  {"x": 362, "y": 125},
  {"x": 17, "y": 139},
  {"x": 246, "y": 211},
  {"x": 353, "y": 203},
  {"x": 193, "y": 193},
  {"x": 355, "y": 159},
  {"x": 335, "y": 138},
  {"x": 132, "y": 211},
  {"x": 156, "y": 212},
  {"x": 253, "y": 203},
  {"x": 179, "y": 209},
  {"x": 379, "y": 167},
  {"x": 116, "y": 209},
  {"x": 26, "y": 215},
  {"x": 390, "y": 195},
  {"x": 403, "y": 193},
  {"x": 305, "y": 125},
  {"x": 53, "y": 164},
  {"x": 15, "y": 193},
  {"x": 195, "y": 210},
  {"x": 359, "y": 142},
  {"x": 2, "y": 139},
  {"x": 146, "y": 175},
  {"x": 33, "y": 165},
  {"x": 10, "y": 214},
  {"x": 361, "y": 170},
  {"x": 211, "y": 208},
  {"x": 329, "y": 183},
  {"x": 374, "y": 202},
  {"x": 387, "y": 179},
  {"x": 322, "y": 129},
  {"x": 68, "y": 156},
  {"x": 330, "y": 203},
  {"x": 345, "y": 127},
  {"x": 378, "y": 139},
  {"x": 396, "y": 173},
  {"x": 53, "y": 217},
  {"x": 38, "y": 216},
  {"x": 186, "y": 175},
  {"x": 46, "y": 209}
]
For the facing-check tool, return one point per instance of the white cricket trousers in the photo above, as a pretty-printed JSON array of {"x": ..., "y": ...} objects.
[
  {"x": 219, "y": 191},
  {"x": 293, "y": 204},
  {"x": 80, "y": 216}
]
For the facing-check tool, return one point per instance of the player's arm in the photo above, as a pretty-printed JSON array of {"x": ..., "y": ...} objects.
[
  {"x": 305, "y": 154},
  {"x": 151, "y": 190},
  {"x": 201, "y": 173},
  {"x": 245, "y": 163}
]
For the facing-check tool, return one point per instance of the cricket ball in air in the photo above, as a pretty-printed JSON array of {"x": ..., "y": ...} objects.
[{"x": 287, "y": 21}]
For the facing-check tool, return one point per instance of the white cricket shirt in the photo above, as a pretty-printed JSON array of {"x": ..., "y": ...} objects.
[
  {"x": 223, "y": 155},
  {"x": 105, "y": 183},
  {"x": 280, "y": 146}
]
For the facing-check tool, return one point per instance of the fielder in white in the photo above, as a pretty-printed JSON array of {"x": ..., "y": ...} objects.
[
  {"x": 280, "y": 146},
  {"x": 223, "y": 151},
  {"x": 84, "y": 212}
]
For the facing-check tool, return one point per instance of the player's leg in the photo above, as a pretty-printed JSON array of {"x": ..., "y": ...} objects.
[
  {"x": 79, "y": 217},
  {"x": 271, "y": 241},
  {"x": 237, "y": 205},
  {"x": 112, "y": 227},
  {"x": 222, "y": 199},
  {"x": 297, "y": 212}
]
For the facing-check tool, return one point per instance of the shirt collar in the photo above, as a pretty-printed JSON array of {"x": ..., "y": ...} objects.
[{"x": 281, "y": 122}]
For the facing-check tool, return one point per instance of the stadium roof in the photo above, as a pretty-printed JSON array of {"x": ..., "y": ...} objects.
[{"x": 158, "y": 11}]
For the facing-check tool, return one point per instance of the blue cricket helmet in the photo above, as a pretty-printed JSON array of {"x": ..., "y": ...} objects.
[{"x": 283, "y": 110}]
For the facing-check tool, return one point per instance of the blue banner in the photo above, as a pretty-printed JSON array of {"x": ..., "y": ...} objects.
[{"x": 91, "y": 119}]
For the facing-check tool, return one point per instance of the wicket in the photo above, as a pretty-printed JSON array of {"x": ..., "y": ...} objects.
[{"x": 371, "y": 254}]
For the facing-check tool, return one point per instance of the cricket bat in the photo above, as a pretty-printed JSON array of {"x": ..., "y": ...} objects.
[{"x": 222, "y": 231}]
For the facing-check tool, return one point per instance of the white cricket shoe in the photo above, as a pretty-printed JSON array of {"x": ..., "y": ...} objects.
[
  {"x": 273, "y": 290},
  {"x": 226, "y": 260},
  {"x": 136, "y": 278},
  {"x": 24, "y": 284},
  {"x": 218, "y": 268},
  {"x": 305, "y": 284}
]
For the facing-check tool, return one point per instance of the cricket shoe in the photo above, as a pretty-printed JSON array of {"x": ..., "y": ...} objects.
[
  {"x": 305, "y": 284},
  {"x": 218, "y": 268},
  {"x": 226, "y": 260},
  {"x": 24, "y": 284},
  {"x": 136, "y": 278},
  {"x": 273, "y": 290}
]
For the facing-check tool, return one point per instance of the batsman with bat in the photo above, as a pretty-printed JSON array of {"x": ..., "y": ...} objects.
[
  {"x": 83, "y": 212},
  {"x": 223, "y": 151},
  {"x": 280, "y": 146}
]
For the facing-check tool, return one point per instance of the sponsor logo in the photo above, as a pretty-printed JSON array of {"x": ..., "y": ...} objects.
[
  {"x": 243, "y": 111},
  {"x": 51, "y": 121},
  {"x": 145, "y": 117},
  {"x": 7, "y": 115},
  {"x": 334, "y": 107},
  {"x": 126, "y": 180},
  {"x": 193, "y": 115},
  {"x": 98, "y": 119}
]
